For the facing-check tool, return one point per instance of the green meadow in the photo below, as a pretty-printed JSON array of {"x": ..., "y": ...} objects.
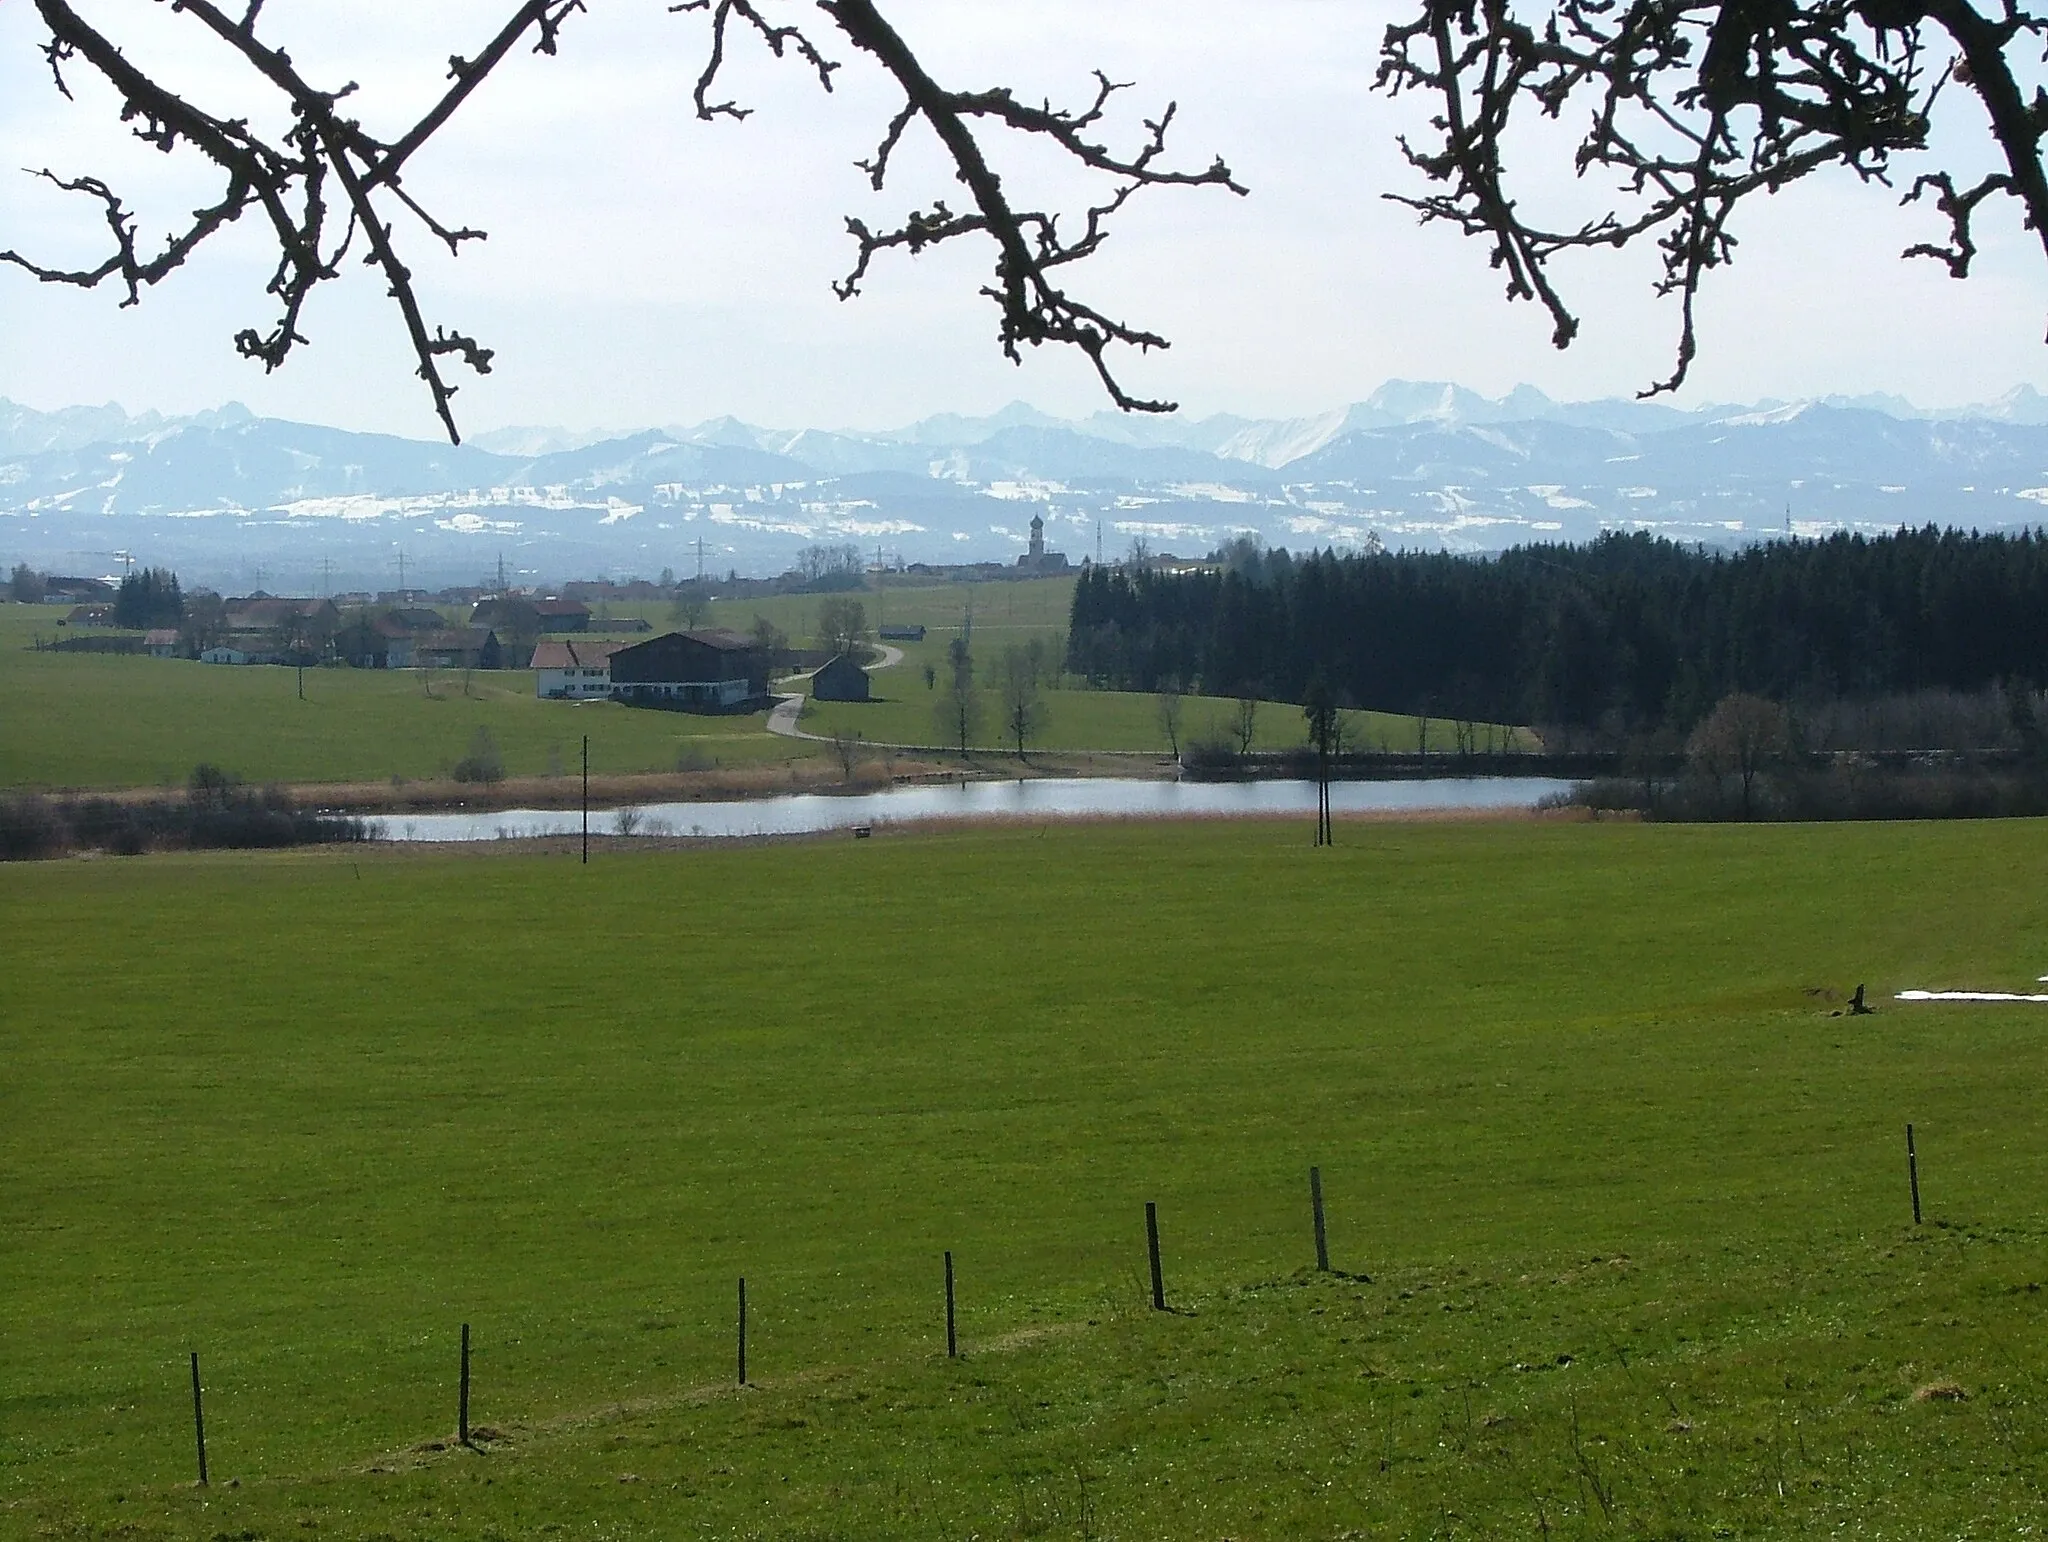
[
  {"x": 98, "y": 721},
  {"x": 95, "y": 720},
  {"x": 1001, "y": 611},
  {"x": 1617, "y": 1201},
  {"x": 905, "y": 711}
]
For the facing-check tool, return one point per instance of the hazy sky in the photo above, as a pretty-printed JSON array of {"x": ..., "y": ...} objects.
[{"x": 644, "y": 268}]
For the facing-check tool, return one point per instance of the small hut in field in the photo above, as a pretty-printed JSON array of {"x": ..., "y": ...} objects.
[{"x": 840, "y": 680}]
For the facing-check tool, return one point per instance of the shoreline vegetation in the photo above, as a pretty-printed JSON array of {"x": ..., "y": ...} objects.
[
  {"x": 214, "y": 813},
  {"x": 1950, "y": 788}
]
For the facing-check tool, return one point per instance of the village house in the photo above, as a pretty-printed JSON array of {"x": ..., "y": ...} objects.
[
  {"x": 573, "y": 670},
  {"x": 377, "y": 641},
  {"x": 75, "y": 591},
  {"x": 558, "y": 615},
  {"x": 469, "y": 647},
  {"x": 417, "y": 618},
  {"x": 517, "y": 616},
  {"x": 161, "y": 642},
  {"x": 707, "y": 671},
  {"x": 265, "y": 627}
]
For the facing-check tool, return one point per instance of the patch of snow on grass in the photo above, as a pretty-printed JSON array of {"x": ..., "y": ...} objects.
[{"x": 1967, "y": 996}]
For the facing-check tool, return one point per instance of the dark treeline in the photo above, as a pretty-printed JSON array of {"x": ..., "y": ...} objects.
[
  {"x": 216, "y": 811},
  {"x": 1624, "y": 634},
  {"x": 149, "y": 598}
]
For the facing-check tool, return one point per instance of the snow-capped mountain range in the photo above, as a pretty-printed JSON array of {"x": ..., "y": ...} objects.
[{"x": 230, "y": 498}]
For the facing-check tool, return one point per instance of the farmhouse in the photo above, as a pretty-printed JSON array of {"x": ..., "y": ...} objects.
[
  {"x": 58, "y": 590},
  {"x": 161, "y": 642},
  {"x": 518, "y": 616},
  {"x": 416, "y": 618},
  {"x": 265, "y": 628},
  {"x": 89, "y": 615},
  {"x": 708, "y": 671},
  {"x": 573, "y": 670},
  {"x": 900, "y": 633},
  {"x": 376, "y": 642},
  {"x": 557, "y": 615},
  {"x": 840, "y": 679},
  {"x": 468, "y": 647}
]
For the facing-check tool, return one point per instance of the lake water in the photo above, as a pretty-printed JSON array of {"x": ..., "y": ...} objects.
[{"x": 1051, "y": 798}]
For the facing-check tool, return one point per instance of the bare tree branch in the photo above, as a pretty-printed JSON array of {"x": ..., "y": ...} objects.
[
  {"x": 290, "y": 178},
  {"x": 326, "y": 164},
  {"x": 1029, "y": 245},
  {"x": 1692, "y": 106}
]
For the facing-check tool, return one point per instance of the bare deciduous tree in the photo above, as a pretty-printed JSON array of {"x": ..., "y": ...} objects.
[
  {"x": 958, "y": 709},
  {"x": 1693, "y": 107},
  {"x": 842, "y": 622},
  {"x": 1739, "y": 738},
  {"x": 1170, "y": 703},
  {"x": 1246, "y": 724},
  {"x": 1023, "y": 710},
  {"x": 691, "y": 604},
  {"x": 1689, "y": 109},
  {"x": 1325, "y": 735},
  {"x": 846, "y": 743},
  {"x": 328, "y": 188}
]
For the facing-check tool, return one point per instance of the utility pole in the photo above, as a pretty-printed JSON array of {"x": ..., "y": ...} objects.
[
  {"x": 326, "y": 578},
  {"x": 700, "y": 559},
  {"x": 403, "y": 593}
]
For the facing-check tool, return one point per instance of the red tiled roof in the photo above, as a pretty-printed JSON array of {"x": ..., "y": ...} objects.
[{"x": 566, "y": 654}]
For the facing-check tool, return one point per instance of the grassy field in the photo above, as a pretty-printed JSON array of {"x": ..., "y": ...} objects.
[
  {"x": 1032, "y": 606},
  {"x": 903, "y": 712},
  {"x": 86, "y": 720},
  {"x": 1620, "y": 1200}
]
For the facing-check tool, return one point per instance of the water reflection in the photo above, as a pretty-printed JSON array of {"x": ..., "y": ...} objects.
[{"x": 1073, "y": 798}]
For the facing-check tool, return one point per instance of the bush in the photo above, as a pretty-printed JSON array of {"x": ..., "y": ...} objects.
[
  {"x": 209, "y": 784},
  {"x": 30, "y": 827},
  {"x": 1209, "y": 754},
  {"x": 1841, "y": 790},
  {"x": 483, "y": 763},
  {"x": 34, "y": 827}
]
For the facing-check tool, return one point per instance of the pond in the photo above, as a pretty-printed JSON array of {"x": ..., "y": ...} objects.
[{"x": 1050, "y": 798}]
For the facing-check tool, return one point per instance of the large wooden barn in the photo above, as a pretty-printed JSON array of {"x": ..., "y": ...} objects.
[{"x": 708, "y": 671}]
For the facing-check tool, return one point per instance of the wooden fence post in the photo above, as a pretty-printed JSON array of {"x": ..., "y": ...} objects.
[
  {"x": 462, "y": 1403},
  {"x": 1315, "y": 1195},
  {"x": 198, "y": 1419},
  {"x": 952, "y": 1342},
  {"x": 743, "y": 1330},
  {"x": 1152, "y": 1243},
  {"x": 1913, "y": 1173}
]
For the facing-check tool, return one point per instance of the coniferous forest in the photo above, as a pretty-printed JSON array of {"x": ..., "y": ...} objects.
[{"x": 1623, "y": 635}]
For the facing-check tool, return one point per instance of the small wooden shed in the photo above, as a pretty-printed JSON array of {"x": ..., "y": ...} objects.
[{"x": 840, "y": 679}]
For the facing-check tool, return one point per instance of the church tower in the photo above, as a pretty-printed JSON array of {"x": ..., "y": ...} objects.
[{"x": 1037, "y": 538}]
